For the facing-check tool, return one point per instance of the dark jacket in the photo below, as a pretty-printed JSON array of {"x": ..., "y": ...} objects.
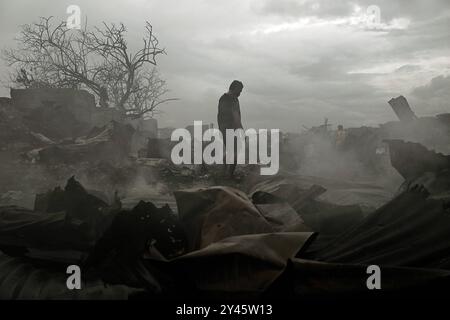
[{"x": 229, "y": 115}]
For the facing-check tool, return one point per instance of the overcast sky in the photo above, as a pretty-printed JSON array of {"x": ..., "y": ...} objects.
[{"x": 300, "y": 61}]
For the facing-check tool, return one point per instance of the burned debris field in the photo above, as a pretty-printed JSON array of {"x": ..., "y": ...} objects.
[
  {"x": 138, "y": 225},
  {"x": 108, "y": 193}
]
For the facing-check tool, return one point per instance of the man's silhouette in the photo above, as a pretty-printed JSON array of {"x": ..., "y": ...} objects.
[{"x": 229, "y": 117}]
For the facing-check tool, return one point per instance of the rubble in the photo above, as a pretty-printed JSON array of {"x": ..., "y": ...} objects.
[
  {"x": 420, "y": 166},
  {"x": 62, "y": 219},
  {"x": 140, "y": 226},
  {"x": 409, "y": 231},
  {"x": 133, "y": 232},
  {"x": 55, "y": 113},
  {"x": 402, "y": 110},
  {"x": 321, "y": 216},
  {"x": 159, "y": 148},
  {"x": 244, "y": 266},
  {"x": 412, "y": 160},
  {"x": 109, "y": 143},
  {"x": 212, "y": 214},
  {"x": 266, "y": 240},
  {"x": 22, "y": 280}
]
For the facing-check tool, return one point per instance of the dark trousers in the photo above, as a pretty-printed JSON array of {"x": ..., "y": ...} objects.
[{"x": 228, "y": 168}]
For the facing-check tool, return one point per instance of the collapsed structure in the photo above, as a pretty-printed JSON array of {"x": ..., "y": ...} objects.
[{"x": 153, "y": 229}]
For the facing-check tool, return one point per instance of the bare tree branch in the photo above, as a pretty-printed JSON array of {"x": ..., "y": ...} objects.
[{"x": 98, "y": 60}]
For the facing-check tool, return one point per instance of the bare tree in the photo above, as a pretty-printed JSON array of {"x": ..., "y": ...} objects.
[{"x": 98, "y": 60}]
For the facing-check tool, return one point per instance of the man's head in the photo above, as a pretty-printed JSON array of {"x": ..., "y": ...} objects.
[{"x": 236, "y": 88}]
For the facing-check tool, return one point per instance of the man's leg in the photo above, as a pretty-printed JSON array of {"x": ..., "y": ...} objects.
[
  {"x": 232, "y": 166},
  {"x": 224, "y": 138},
  {"x": 228, "y": 168}
]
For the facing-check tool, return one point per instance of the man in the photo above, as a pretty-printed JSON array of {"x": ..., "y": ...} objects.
[
  {"x": 229, "y": 117},
  {"x": 340, "y": 137}
]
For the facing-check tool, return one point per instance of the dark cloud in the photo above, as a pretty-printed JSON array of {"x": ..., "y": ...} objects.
[
  {"x": 438, "y": 87},
  {"x": 296, "y": 72},
  {"x": 432, "y": 98}
]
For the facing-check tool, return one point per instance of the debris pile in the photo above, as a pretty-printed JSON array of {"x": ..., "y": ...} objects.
[
  {"x": 139, "y": 226},
  {"x": 280, "y": 240},
  {"x": 108, "y": 143}
]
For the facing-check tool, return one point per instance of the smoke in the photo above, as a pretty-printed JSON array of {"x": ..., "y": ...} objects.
[
  {"x": 322, "y": 159},
  {"x": 432, "y": 132},
  {"x": 359, "y": 157}
]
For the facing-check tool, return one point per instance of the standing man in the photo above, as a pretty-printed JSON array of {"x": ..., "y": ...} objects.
[
  {"x": 340, "y": 137},
  {"x": 229, "y": 117}
]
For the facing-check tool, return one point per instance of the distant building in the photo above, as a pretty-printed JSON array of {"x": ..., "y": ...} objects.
[
  {"x": 60, "y": 113},
  {"x": 165, "y": 133}
]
